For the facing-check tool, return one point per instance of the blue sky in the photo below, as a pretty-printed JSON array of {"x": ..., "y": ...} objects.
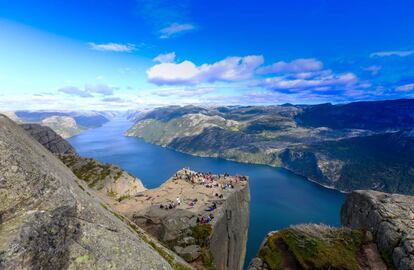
[{"x": 135, "y": 53}]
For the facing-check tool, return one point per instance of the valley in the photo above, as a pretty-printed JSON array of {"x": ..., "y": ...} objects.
[{"x": 326, "y": 143}]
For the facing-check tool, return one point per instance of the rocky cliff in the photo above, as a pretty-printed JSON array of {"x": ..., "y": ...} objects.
[
  {"x": 49, "y": 139},
  {"x": 229, "y": 237},
  {"x": 106, "y": 179},
  {"x": 49, "y": 219},
  {"x": 202, "y": 216},
  {"x": 390, "y": 218}
]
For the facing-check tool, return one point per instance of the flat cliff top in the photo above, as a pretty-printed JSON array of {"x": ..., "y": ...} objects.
[{"x": 189, "y": 193}]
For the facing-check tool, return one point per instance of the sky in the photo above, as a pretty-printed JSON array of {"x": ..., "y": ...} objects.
[{"x": 131, "y": 54}]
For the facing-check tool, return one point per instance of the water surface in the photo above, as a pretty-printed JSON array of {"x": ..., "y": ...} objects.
[{"x": 279, "y": 198}]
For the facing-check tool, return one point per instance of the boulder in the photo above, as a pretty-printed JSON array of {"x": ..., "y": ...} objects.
[{"x": 390, "y": 218}]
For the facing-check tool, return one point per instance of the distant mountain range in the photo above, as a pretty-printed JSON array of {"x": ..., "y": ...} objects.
[
  {"x": 65, "y": 123},
  {"x": 361, "y": 145}
]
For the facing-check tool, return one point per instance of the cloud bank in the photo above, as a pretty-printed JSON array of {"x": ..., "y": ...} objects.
[{"x": 230, "y": 69}]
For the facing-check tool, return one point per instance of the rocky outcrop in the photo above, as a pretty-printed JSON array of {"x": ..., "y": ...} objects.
[
  {"x": 390, "y": 218},
  {"x": 201, "y": 216},
  {"x": 107, "y": 179},
  {"x": 317, "y": 247},
  {"x": 49, "y": 220},
  {"x": 49, "y": 139}
]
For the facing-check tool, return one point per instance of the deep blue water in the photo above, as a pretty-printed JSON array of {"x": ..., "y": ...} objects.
[{"x": 279, "y": 198}]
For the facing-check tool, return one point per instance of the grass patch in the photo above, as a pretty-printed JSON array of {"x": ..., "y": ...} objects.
[
  {"x": 111, "y": 194},
  {"x": 207, "y": 259},
  {"x": 314, "y": 247}
]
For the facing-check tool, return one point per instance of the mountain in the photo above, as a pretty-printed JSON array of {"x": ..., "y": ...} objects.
[
  {"x": 65, "y": 123},
  {"x": 346, "y": 146}
]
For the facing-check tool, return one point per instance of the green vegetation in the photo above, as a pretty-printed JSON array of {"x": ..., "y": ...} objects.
[
  {"x": 207, "y": 258},
  {"x": 313, "y": 247},
  {"x": 202, "y": 233},
  {"x": 111, "y": 193},
  {"x": 388, "y": 260},
  {"x": 123, "y": 197}
]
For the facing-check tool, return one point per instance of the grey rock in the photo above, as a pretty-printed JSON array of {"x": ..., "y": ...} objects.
[
  {"x": 390, "y": 218},
  {"x": 49, "y": 139},
  {"x": 257, "y": 264},
  {"x": 228, "y": 241},
  {"x": 188, "y": 253},
  {"x": 48, "y": 222}
]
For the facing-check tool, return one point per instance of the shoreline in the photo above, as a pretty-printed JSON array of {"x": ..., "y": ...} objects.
[{"x": 243, "y": 162}]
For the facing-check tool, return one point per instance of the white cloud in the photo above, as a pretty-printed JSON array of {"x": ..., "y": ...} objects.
[
  {"x": 113, "y": 99},
  {"x": 185, "y": 92},
  {"x": 165, "y": 58},
  {"x": 391, "y": 53},
  {"x": 88, "y": 90},
  {"x": 74, "y": 91},
  {"x": 405, "y": 87},
  {"x": 301, "y": 65},
  {"x": 229, "y": 70},
  {"x": 99, "y": 89},
  {"x": 373, "y": 69},
  {"x": 327, "y": 81},
  {"x": 112, "y": 47},
  {"x": 175, "y": 29}
]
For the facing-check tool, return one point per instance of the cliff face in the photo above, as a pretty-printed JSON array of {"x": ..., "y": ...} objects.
[
  {"x": 390, "y": 217},
  {"x": 49, "y": 139},
  {"x": 229, "y": 237},
  {"x": 383, "y": 162},
  {"x": 48, "y": 220}
]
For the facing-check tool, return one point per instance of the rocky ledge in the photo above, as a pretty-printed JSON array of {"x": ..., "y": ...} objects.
[
  {"x": 390, "y": 218},
  {"x": 201, "y": 216}
]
